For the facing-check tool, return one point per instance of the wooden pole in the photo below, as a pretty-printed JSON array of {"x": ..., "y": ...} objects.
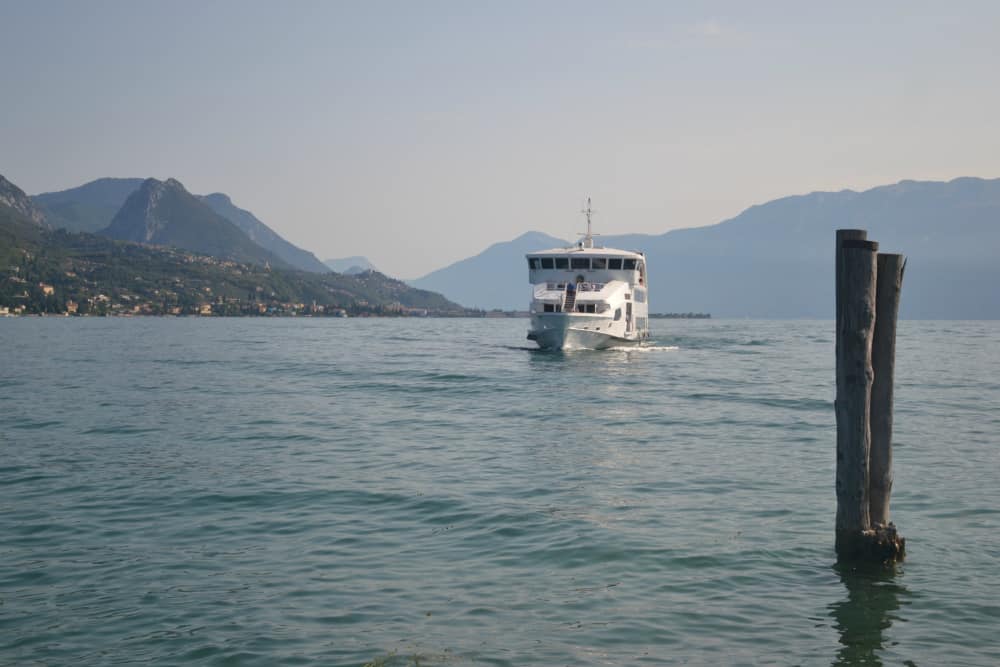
[
  {"x": 844, "y": 235},
  {"x": 868, "y": 287},
  {"x": 856, "y": 272},
  {"x": 887, "y": 290}
]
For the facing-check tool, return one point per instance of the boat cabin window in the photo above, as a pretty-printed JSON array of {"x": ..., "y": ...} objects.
[
  {"x": 534, "y": 263},
  {"x": 618, "y": 314},
  {"x": 580, "y": 263},
  {"x": 640, "y": 296},
  {"x": 615, "y": 263},
  {"x": 547, "y": 262},
  {"x": 628, "y": 264},
  {"x": 562, "y": 262},
  {"x": 599, "y": 263},
  {"x": 586, "y": 307}
]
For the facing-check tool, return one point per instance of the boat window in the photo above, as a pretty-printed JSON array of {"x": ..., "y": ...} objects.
[
  {"x": 618, "y": 314},
  {"x": 580, "y": 263},
  {"x": 640, "y": 296},
  {"x": 599, "y": 263},
  {"x": 533, "y": 263},
  {"x": 615, "y": 263},
  {"x": 628, "y": 264},
  {"x": 546, "y": 262},
  {"x": 562, "y": 263},
  {"x": 550, "y": 308}
]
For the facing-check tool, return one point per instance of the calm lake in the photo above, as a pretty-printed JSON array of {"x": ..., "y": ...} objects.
[{"x": 434, "y": 492}]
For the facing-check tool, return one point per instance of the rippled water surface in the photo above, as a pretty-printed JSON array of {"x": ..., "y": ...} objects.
[{"x": 434, "y": 492}]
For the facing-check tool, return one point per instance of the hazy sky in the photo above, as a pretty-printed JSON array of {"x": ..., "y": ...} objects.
[{"x": 418, "y": 133}]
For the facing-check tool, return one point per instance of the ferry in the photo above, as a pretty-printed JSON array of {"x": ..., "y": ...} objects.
[{"x": 587, "y": 296}]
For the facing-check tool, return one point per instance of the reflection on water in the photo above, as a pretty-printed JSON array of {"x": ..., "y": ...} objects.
[{"x": 874, "y": 597}]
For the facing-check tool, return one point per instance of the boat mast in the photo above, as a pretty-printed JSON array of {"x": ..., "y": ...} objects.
[{"x": 588, "y": 238}]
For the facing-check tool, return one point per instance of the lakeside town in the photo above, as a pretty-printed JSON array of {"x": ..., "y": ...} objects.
[{"x": 190, "y": 294}]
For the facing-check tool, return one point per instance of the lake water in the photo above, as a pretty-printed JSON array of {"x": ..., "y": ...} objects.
[{"x": 434, "y": 492}]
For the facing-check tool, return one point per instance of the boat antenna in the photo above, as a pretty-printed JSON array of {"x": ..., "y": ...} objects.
[{"x": 588, "y": 238}]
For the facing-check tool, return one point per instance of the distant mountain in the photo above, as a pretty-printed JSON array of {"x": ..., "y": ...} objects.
[
  {"x": 164, "y": 213},
  {"x": 350, "y": 265},
  {"x": 495, "y": 278},
  {"x": 776, "y": 259},
  {"x": 92, "y": 206},
  {"x": 263, "y": 235},
  {"x": 89, "y": 207},
  {"x": 14, "y": 198}
]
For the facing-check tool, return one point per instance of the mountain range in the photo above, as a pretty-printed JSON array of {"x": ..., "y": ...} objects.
[
  {"x": 167, "y": 252},
  {"x": 775, "y": 260},
  {"x": 771, "y": 260},
  {"x": 92, "y": 207},
  {"x": 164, "y": 213}
]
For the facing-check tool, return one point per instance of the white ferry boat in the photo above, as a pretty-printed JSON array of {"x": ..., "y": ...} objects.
[{"x": 587, "y": 297}]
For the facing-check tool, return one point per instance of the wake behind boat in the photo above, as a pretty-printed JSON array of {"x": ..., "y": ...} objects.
[{"x": 587, "y": 297}]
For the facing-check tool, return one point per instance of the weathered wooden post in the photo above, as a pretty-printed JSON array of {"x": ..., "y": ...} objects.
[
  {"x": 863, "y": 530},
  {"x": 887, "y": 291},
  {"x": 856, "y": 273}
]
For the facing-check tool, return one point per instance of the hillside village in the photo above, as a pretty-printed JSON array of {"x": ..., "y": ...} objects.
[{"x": 202, "y": 286}]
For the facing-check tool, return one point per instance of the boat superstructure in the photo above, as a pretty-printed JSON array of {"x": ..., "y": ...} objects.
[{"x": 588, "y": 297}]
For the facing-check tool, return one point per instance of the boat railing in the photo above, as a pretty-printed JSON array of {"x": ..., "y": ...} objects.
[{"x": 580, "y": 287}]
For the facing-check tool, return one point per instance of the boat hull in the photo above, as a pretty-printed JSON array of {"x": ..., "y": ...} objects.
[{"x": 568, "y": 337}]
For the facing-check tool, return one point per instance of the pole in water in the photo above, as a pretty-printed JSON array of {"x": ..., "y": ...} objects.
[
  {"x": 855, "y": 327},
  {"x": 887, "y": 292},
  {"x": 858, "y": 535}
]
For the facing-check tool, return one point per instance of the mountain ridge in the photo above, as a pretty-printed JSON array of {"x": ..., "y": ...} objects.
[
  {"x": 774, "y": 259},
  {"x": 484, "y": 280},
  {"x": 18, "y": 201},
  {"x": 92, "y": 206},
  {"x": 165, "y": 213},
  {"x": 89, "y": 207},
  {"x": 263, "y": 235}
]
